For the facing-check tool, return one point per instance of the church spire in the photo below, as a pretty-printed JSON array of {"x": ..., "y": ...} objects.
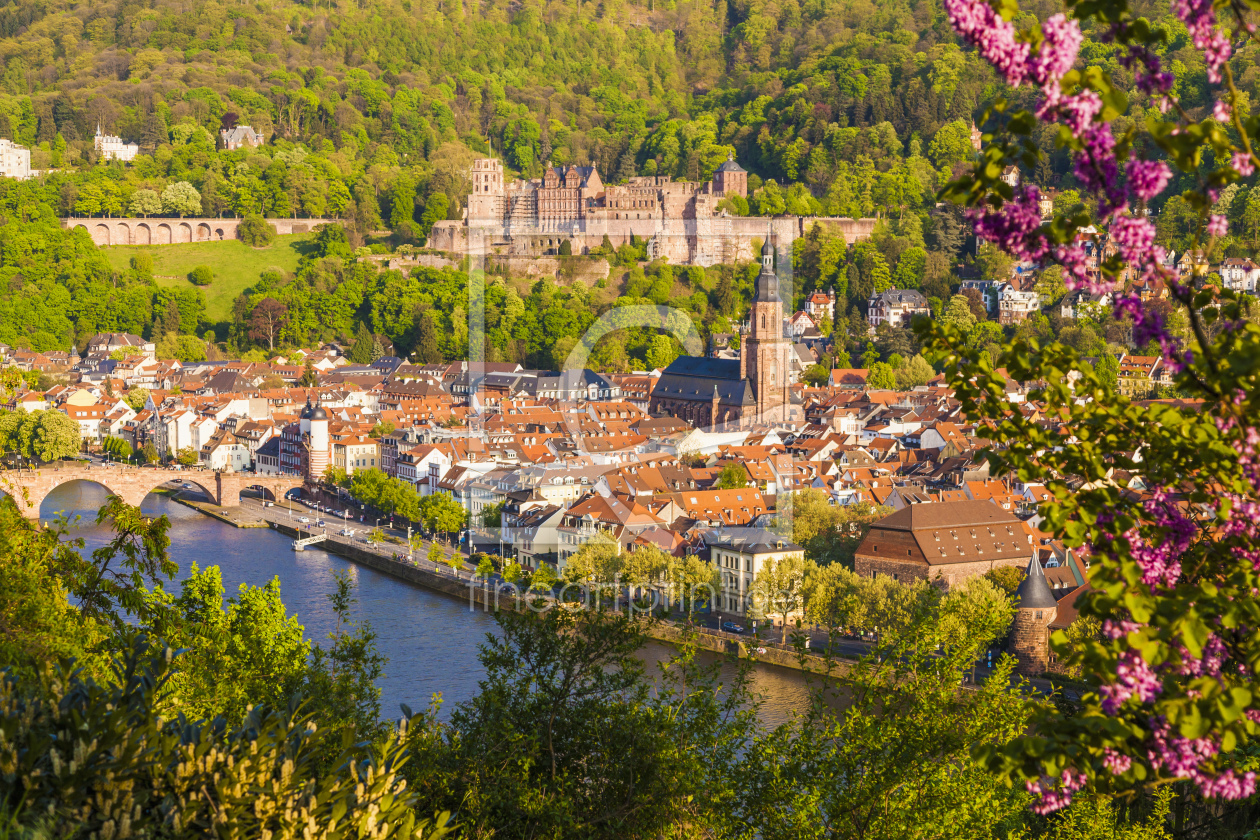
[{"x": 767, "y": 281}]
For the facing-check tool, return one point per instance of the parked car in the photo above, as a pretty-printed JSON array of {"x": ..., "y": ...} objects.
[{"x": 732, "y": 627}]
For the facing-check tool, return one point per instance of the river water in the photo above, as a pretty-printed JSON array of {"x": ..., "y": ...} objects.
[{"x": 431, "y": 639}]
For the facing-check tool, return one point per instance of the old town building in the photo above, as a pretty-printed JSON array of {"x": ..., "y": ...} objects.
[{"x": 949, "y": 541}]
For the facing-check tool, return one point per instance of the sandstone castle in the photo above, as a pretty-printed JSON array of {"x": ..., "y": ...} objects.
[{"x": 680, "y": 220}]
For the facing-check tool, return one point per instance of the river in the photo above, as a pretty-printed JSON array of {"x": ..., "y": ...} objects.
[{"x": 430, "y": 639}]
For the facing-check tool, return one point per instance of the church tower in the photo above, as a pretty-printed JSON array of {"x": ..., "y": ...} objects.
[{"x": 766, "y": 348}]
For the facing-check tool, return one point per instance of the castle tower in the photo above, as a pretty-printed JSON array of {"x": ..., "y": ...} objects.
[
  {"x": 729, "y": 178},
  {"x": 487, "y": 202},
  {"x": 1035, "y": 609},
  {"x": 766, "y": 347},
  {"x": 319, "y": 445}
]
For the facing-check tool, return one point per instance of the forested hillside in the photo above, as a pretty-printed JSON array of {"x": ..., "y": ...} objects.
[{"x": 372, "y": 112}]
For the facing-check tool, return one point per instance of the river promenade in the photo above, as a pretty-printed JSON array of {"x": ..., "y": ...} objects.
[{"x": 486, "y": 594}]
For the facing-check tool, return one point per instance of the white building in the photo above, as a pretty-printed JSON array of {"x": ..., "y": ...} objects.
[
  {"x": 15, "y": 160},
  {"x": 1240, "y": 275},
  {"x": 739, "y": 554},
  {"x": 896, "y": 307},
  {"x": 111, "y": 147},
  {"x": 1014, "y": 306}
]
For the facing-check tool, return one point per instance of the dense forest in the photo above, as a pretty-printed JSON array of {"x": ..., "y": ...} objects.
[{"x": 371, "y": 114}]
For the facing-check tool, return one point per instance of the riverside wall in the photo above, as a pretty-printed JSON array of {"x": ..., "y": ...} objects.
[{"x": 488, "y": 598}]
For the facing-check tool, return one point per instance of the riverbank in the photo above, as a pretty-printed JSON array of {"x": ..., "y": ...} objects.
[{"x": 482, "y": 595}]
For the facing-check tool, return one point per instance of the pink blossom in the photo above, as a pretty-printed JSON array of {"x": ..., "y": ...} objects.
[
  {"x": 1134, "y": 677},
  {"x": 1226, "y": 785},
  {"x": 1217, "y": 225},
  {"x": 1179, "y": 756},
  {"x": 1214, "y": 654},
  {"x": 1053, "y": 796},
  {"x": 1147, "y": 178},
  {"x": 1242, "y": 164},
  {"x": 1117, "y": 763},
  {"x": 1200, "y": 20},
  {"x": 1222, "y": 112},
  {"x": 1119, "y": 628},
  {"x": 993, "y": 37},
  {"x": 1133, "y": 236},
  {"x": 1059, "y": 47},
  {"x": 1016, "y": 226},
  {"x": 1078, "y": 110}
]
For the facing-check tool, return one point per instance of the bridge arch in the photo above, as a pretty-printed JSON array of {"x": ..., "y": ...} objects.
[
  {"x": 184, "y": 233},
  {"x": 29, "y": 488},
  {"x": 203, "y": 232},
  {"x": 142, "y": 236},
  {"x": 163, "y": 235}
]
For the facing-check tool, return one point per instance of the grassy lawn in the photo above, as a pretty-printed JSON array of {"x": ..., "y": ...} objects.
[{"x": 236, "y": 266}]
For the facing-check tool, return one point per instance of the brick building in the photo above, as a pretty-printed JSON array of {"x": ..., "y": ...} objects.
[{"x": 949, "y": 541}]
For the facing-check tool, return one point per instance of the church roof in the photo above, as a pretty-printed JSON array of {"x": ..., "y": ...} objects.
[{"x": 695, "y": 378}]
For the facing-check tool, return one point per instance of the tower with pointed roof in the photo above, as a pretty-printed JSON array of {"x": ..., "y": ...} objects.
[
  {"x": 1035, "y": 609},
  {"x": 767, "y": 348}
]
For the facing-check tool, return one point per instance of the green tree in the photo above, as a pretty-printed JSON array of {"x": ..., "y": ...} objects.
[
  {"x": 779, "y": 588},
  {"x": 201, "y": 275},
  {"x": 732, "y": 476},
  {"x": 914, "y": 372},
  {"x": 255, "y": 231},
  {"x": 187, "y": 457},
  {"x": 492, "y": 515},
  {"x": 442, "y": 513},
  {"x": 597, "y": 561},
  {"x": 485, "y": 566},
  {"x": 662, "y": 350},
  {"x": 361, "y": 351},
  {"x": 136, "y": 398},
  {"x": 43, "y": 436},
  {"x": 951, "y": 145},
  {"x": 1108, "y": 370},
  {"x": 903, "y": 739},
  {"x": 958, "y": 313},
  {"x": 544, "y": 578},
  {"x": 249, "y": 653},
  {"x": 882, "y": 376},
  {"x": 145, "y": 203},
  {"x": 181, "y": 199}
]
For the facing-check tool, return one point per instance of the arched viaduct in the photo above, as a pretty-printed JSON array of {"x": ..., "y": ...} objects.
[
  {"x": 29, "y": 488},
  {"x": 157, "y": 231}
]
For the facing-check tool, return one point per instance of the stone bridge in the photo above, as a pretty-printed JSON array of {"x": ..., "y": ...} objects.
[
  {"x": 174, "y": 231},
  {"x": 29, "y": 488}
]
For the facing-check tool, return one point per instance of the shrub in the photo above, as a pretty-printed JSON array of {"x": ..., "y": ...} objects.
[
  {"x": 201, "y": 276},
  {"x": 256, "y": 232}
]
